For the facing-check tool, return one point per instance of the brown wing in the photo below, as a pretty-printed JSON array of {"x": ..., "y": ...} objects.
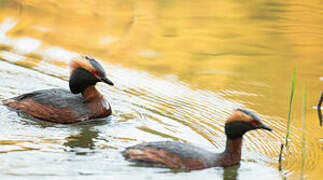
[
  {"x": 59, "y": 105},
  {"x": 157, "y": 156},
  {"x": 43, "y": 111}
]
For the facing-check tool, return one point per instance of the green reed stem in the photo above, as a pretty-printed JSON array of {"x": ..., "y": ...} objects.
[
  {"x": 290, "y": 107},
  {"x": 288, "y": 121},
  {"x": 280, "y": 157},
  {"x": 303, "y": 133},
  {"x": 319, "y": 110}
]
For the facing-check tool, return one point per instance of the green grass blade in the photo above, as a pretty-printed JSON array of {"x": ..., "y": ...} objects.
[
  {"x": 290, "y": 107},
  {"x": 303, "y": 158}
]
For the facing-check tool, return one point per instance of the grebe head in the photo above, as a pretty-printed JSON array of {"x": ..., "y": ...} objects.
[
  {"x": 242, "y": 121},
  {"x": 85, "y": 72}
]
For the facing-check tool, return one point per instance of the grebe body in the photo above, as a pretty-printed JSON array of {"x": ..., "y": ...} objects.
[
  {"x": 82, "y": 102},
  {"x": 178, "y": 155},
  {"x": 170, "y": 154}
]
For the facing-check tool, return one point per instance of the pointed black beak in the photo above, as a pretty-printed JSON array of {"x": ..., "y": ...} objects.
[
  {"x": 107, "y": 81},
  {"x": 265, "y": 127}
]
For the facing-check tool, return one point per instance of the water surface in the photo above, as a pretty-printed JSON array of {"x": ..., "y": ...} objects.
[{"x": 180, "y": 68}]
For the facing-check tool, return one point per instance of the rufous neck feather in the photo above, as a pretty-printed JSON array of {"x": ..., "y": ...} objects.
[
  {"x": 233, "y": 145},
  {"x": 91, "y": 93}
]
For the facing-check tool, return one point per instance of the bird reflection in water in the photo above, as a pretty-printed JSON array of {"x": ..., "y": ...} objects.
[{"x": 84, "y": 142}]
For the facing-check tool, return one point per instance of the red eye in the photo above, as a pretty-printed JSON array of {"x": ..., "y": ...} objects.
[
  {"x": 96, "y": 74},
  {"x": 254, "y": 123}
]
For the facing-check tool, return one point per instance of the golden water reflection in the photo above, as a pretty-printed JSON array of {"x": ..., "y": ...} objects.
[{"x": 244, "y": 51}]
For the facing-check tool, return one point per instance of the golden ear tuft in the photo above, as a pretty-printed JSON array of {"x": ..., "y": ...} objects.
[
  {"x": 81, "y": 62},
  {"x": 237, "y": 115}
]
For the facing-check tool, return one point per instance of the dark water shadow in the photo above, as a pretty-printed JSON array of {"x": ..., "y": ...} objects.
[
  {"x": 231, "y": 173},
  {"x": 81, "y": 143},
  {"x": 84, "y": 142}
]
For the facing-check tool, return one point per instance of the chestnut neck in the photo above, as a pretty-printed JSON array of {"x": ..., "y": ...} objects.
[
  {"x": 231, "y": 155},
  {"x": 91, "y": 93},
  {"x": 233, "y": 146}
]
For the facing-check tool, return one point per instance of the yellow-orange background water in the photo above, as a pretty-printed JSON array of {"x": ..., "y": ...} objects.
[{"x": 243, "y": 51}]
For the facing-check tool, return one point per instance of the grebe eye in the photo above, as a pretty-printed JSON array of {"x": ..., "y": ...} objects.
[
  {"x": 255, "y": 123},
  {"x": 95, "y": 73}
]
